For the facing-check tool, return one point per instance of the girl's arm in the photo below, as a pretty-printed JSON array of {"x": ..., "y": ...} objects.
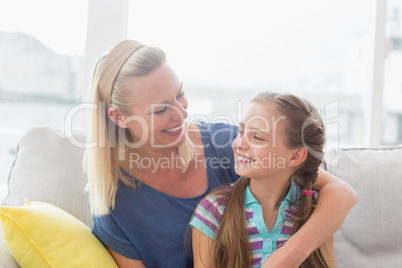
[
  {"x": 201, "y": 248},
  {"x": 335, "y": 200}
]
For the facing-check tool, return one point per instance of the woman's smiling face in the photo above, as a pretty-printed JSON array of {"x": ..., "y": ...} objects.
[
  {"x": 259, "y": 148},
  {"x": 158, "y": 109}
]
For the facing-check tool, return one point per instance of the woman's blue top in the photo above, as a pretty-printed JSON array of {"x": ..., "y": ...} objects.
[{"x": 152, "y": 226}]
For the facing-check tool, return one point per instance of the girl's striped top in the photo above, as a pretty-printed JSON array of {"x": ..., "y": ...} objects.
[{"x": 209, "y": 213}]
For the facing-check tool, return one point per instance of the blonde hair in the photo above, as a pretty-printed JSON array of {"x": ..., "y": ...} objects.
[
  {"x": 101, "y": 163},
  {"x": 304, "y": 128}
]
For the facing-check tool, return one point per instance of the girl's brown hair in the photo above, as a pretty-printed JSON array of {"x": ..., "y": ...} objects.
[{"x": 304, "y": 128}]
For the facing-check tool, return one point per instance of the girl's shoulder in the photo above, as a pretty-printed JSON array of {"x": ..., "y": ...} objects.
[
  {"x": 218, "y": 197},
  {"x": 209, "y": 212}
]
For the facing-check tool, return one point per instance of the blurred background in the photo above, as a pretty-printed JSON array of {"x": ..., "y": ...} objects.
[{"x": 345, "y": 56}]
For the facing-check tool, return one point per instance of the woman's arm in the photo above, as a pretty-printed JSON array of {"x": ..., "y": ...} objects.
[
  {"x": 124, "y": 262},
  {"x": 330, "y": 249},
  {"x": 335, "y": 200},
  {"x": 201, "y": 248}
]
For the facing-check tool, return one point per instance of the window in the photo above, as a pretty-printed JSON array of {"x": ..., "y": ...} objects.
[
  {"x": 42, "y": 45},
  {"x": 228, "y": 51},
  {"x": 396, "y": 43},
  {"x": 392, "y": 87},
  {"x": 224, "y": 51}
]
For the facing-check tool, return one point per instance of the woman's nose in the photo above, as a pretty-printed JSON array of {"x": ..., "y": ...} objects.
[{"x": 179, "y": 112}]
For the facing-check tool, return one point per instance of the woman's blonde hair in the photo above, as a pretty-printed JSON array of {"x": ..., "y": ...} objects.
[
  {"x": 101, "y": 163},
  {"x": 304, "y": 128}
]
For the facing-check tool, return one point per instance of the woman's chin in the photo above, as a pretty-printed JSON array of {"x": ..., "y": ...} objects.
[{"x": 171, "y": 143}]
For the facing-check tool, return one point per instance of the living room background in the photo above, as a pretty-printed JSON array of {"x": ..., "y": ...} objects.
[{"x": 345, "y": 56}]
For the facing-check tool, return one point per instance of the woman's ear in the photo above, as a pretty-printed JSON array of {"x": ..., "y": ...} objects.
[
  {"x": 298, "y": 156},
  {"x": 117, "y": 117}
]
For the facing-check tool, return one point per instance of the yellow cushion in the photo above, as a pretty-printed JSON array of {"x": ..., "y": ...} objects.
[{"x": 42, "y": 235}]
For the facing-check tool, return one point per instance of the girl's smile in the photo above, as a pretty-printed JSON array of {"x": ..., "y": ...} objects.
[
  {"x": 242, "y": 159},
  {"x": 259, "y": 147}
]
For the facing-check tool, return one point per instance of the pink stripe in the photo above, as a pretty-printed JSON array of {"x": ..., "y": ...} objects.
[
  {"x": 211, "y": 208},
  {"x": 287, "y": 230},
  {"x": 256, "y": 261},
  {"x": 252, "y": 231},
  {"x": 290, "y": 213},
  {"x": 211, "y": 225},
  {"x": 249, "y": 215},
  {"x": 280, "y": 244},
  {"x": 256, "y": 245}
]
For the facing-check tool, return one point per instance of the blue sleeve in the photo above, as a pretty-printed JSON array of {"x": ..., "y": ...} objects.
[
  {"x": 218, "y": 139},
  {"x": 108, "y": 232}
]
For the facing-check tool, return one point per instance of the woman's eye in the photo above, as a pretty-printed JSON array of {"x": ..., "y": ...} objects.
[
  {"x": 180, "y": 95},
  {"x": 161, "y": 111}
]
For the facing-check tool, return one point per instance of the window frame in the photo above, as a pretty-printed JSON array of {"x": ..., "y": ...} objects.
[{"x": 107, "y": 25}]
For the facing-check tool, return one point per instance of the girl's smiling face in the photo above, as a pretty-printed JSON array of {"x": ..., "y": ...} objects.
[{"x": 259, "y": 148}]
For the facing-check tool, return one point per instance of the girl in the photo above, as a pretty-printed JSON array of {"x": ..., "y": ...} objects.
[{"x": 278, "y": 151}]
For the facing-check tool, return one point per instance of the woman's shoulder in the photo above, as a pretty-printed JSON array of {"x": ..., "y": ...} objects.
[
  {"x": 221, "y": 127},
  {"x": 217, "y": 135}
]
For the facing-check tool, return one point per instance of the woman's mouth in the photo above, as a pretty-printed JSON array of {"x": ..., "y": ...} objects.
[{"x": 174, "y": 131}]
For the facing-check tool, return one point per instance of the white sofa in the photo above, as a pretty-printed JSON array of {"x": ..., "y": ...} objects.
[{"x": 48, "y": 168}]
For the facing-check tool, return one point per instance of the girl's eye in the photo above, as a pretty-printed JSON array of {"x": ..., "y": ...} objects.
[
  {"x": 161, "y": 111},
  {"x": 240, "y": 132},
  {"x": 258, "y": 138}
]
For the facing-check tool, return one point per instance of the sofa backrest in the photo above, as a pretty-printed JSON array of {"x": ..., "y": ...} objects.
[
  {"x": 371, "y": 235},
  {"x": 48, "y": 168}
]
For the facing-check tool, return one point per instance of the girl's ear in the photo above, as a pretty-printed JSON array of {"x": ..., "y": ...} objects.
[
  {"x": 298, "y": 156},
  {"x": 117, "y": 117}
]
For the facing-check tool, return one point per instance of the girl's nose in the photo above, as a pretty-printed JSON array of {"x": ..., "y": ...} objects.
[{"x": 241, "y": 142}]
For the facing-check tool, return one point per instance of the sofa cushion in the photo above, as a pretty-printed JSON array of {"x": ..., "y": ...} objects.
[
  {"x": 42, "y": 235},
  {"x": 48, "y": 168},
  {"x": 6, "y": 258},
  {"x": 371, "y": 234}
]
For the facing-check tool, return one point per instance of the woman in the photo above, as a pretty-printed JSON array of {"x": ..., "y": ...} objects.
[{"x": 150, "y": 168}]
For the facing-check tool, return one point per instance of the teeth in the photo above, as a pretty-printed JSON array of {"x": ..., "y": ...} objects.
[
  {"x": 243, "y": 159},
  {"x": 174, "y": 129}
]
